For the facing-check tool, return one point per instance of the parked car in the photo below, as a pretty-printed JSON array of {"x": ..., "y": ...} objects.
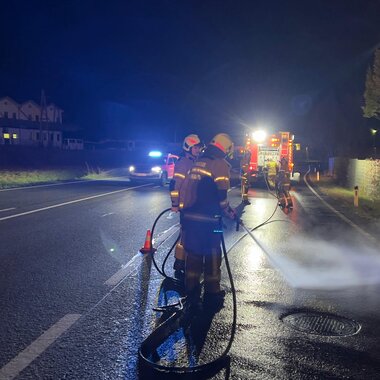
[{"x": 155, "y": 167}]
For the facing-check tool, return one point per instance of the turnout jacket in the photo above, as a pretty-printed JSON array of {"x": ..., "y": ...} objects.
[
  {"x": 182, "y": 167},
  {"x": 207, "y": 183}
]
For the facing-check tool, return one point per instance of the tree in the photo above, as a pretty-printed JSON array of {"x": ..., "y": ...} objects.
[{"x": 371, "y": 108}]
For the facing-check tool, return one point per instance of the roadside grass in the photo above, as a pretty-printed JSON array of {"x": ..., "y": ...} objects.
[
  {"x": 368, "y": 208},
  {"x": 15, "y": 178},
  {"x": 95, "y": 174}
]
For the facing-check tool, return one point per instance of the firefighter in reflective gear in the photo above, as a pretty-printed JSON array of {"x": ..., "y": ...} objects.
[
  {"x": 271, "y": 172},
  {"x": 191, "y": 146},
  {"x": 283, "y": 184},
  {"x": 244, "y": 166},
  {"x": 205, "y": 201}
]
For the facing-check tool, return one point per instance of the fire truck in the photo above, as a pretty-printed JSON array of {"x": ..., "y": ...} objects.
[{"x": 264, "y": 150}]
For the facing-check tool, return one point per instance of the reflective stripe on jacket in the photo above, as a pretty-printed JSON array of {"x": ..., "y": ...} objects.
[
  {"x": 182, "y": 167},
  {"x": 205, "y": 182}
]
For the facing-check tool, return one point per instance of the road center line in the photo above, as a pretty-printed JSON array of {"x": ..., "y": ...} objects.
[
  {"x": 7, "y": 209},
  {"x": 69, "y": 203},
  {"x": 341, "y": 216},
  {"x": 36, "y": 348}
]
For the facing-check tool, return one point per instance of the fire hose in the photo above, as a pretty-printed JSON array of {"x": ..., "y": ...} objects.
[{"x": 178, "y": 315}]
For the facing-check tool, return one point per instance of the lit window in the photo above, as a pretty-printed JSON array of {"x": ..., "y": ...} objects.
[
  {"x": 14, "y": 135},
  {"x": 6, "y": 135}
]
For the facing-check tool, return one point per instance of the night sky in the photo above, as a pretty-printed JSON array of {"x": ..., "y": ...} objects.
[{"x": 124, "y": 69}]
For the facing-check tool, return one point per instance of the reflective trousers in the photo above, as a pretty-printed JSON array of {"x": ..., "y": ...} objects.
[
  {"x": 244, "y": 185},
  {"x": 282, "y": 189},
  {"x": 179, "y": 251},
  {"x": 209, "y": 264}
]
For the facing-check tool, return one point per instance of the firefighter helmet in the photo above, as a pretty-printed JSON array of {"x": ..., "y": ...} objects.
[
  {"x": 224, "y": 143},
  {"x": 190, "y": 141}
]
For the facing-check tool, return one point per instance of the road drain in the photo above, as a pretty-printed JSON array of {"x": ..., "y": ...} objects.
[{"x": 321, "y": 324}]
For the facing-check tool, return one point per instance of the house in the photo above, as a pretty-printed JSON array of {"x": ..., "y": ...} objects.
[{"x": 30, "y": 124}]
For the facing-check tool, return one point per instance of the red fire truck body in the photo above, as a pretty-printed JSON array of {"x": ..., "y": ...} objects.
[{"x": 268, "y": 152}]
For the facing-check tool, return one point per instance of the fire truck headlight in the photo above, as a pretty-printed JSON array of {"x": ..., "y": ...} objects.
[
  {"x": 131, "y": 169},
  {"x": 156, "y": 169},
  {"x": 259, "y": 136}
]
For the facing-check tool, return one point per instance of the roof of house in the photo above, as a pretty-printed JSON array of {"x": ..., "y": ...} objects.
[
  {"x": 9, "y": 99},
  {"x": 32, "y": 102}
]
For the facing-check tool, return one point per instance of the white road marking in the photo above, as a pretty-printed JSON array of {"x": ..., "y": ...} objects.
[
  {"x": 125, "y": 270},
  {"x": 7, "y": 209},
  {"x": 133, "y": 264},
  {"x": 46, "y": 185},
  {"x": 107, "y": 214},
  {"x": 35, "y": 349},
  {"x": 69, "y": 203},
  {"x": 341, "y": 216}
]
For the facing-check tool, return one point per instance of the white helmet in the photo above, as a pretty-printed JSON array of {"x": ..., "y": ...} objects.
[
  {"x": 224, "y": 143},
  {"x": 190, "y": 141}
]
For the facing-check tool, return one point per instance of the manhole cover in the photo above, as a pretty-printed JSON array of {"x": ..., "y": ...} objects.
[{"x": 322, "y": 324}]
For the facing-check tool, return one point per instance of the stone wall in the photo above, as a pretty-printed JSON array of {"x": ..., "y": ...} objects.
[{"x": 354, "y": 172}]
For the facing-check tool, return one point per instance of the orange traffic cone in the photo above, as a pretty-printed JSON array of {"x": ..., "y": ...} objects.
[{"x": 147, "y": 248}]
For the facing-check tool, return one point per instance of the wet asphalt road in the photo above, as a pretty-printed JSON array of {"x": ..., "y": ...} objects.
[{"x": 72, "y": 253}]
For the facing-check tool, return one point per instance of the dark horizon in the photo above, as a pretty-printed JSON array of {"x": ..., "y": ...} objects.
[{"x": 164, "y": 69}]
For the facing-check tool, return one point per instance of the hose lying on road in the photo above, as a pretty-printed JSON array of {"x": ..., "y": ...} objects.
[{"x": 178, "y": 315}]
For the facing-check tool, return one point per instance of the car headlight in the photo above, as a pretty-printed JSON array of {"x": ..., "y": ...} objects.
[
  {"x": 131, "y": 169},
  {"x": 156, "y": 169}
]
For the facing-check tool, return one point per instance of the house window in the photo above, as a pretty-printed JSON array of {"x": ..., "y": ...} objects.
[
  {"x": 37, "y": 136},
  {"x": 14, "y": 136},
  {"x": 14, "y": 115},
  {"x": 51, "y": 137},
  {"x": 45, "y": 136},
  {"x": 37, "y": 118},
  {"x": 58, "y": 137},
  {"x": 6, "y": 136},
  {"x": 6, "y": 114}
]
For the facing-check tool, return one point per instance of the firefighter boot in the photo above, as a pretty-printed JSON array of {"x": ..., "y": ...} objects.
[
  {"x": 282, "y": 201},
  {"x": 213, "y": 302},
  {"x": 290, "y": 202},
  {"x": 245, "y": 199}
]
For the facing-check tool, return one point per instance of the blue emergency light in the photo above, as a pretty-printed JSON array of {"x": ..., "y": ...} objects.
[{"x": 155, "y": 153}]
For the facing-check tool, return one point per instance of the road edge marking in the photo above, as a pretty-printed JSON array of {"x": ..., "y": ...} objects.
[
  {"x": 70, "y": 202},
  {"x": 35, "y": 349}
]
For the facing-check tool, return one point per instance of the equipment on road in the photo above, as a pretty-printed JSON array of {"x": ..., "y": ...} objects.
[
  {"x": 147, "y": 248},
  {"x": 180, "y": 314}
]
